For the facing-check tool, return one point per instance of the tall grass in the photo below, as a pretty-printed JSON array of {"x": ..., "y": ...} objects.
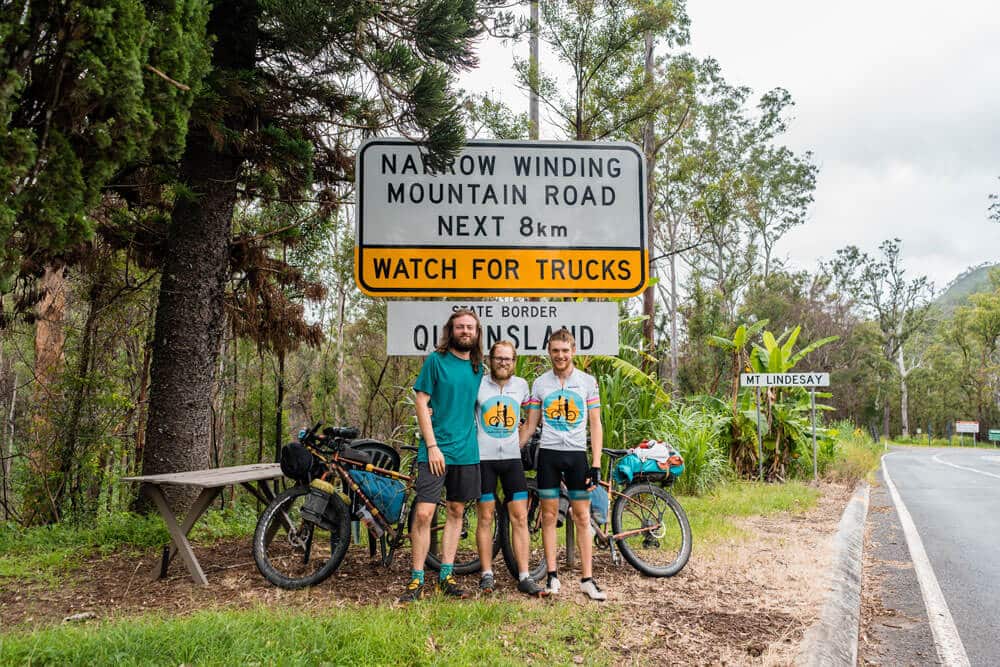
[{"x": 849, "y": 454}]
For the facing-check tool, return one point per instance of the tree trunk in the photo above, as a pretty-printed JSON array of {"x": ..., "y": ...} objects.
[
  {"x": 279, "y": 406},
  {"x": 39, "y": 499},
  {"x": 885, "y": 416},
  {"x": 190, "y": 313},
  {"x": 649, "y": 151},
  {"x": 674, "y": 342},
  {"x": 904, "y": 413}
]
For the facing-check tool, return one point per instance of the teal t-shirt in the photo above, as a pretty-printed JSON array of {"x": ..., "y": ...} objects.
[{"x": 453, "y": 387}]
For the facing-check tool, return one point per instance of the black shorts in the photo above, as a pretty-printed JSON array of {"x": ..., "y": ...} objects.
[
  {"x": 570, "y": 467},
  {"x": 461, "y": 483},
  {"x": 510, "y": 472}
]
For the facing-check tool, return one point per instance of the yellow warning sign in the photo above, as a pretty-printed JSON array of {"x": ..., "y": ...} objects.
[{"x": 479, "y": 271}]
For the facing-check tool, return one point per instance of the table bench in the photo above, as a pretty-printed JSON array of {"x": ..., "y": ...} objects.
[{"x": 211, "y": 482}]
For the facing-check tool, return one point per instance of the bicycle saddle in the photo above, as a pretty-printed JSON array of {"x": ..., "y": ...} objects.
[
  {"x": 614, "y": 453},
  {"x": 355, "y": 455}
]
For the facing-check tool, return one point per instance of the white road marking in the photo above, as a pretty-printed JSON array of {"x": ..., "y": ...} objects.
[
  {"x": 994, "y": 459},
  {"x": 949, "y": 645},
  {"x": 937, "y": 457}
]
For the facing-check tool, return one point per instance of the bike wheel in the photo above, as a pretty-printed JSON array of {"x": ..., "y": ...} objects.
[
  {"x": 467, "y": 555},
  {"x": 293, "y": 553},
  {"x": 657, "y": 535},
  {"x": 536, "y": 551}
]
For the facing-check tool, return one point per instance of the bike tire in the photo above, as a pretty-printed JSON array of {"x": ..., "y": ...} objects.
[
  {"x": 282, "y": 537},
  {"x": 467, "y": 556},
  {"x": 663, "y": 551},
  {"x": 536, "y": 552}
]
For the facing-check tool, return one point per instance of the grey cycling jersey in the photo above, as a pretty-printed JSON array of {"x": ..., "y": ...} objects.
[
  {"x": 498, "y": 414},
  {"x": 564, "y": 407}
]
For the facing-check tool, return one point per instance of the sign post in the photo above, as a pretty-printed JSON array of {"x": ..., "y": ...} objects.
[
  {"x": 805, "y": 380},
  {"x": 513, "y": 218}
]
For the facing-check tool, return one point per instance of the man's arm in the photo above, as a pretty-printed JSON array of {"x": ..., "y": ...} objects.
[
  {"x": 596, "y": 436},
  {"x": 527, "y": 429},
  {"x": 435, "y": 459}
]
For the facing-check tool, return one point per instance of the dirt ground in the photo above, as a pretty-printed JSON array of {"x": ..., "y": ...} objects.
[{"x": 735, "y": 603}]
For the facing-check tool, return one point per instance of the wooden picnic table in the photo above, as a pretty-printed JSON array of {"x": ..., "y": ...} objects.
[{"x": 211, "y": 482}]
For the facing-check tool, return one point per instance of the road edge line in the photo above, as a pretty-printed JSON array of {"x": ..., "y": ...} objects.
[
  {"x": 938, "y": 459},
  {"x": 833, "y": 639},
  {"x": 948, "y": 643}
]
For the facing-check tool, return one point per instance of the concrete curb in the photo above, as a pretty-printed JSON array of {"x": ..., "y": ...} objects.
[{"x": 833, "y": 639}]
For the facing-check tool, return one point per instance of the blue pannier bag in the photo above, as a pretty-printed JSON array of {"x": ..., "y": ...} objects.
[
  {"x": 599, "y": 504},
  {"x": 387, "y": 494}
]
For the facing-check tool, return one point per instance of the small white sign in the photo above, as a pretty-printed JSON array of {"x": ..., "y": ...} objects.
[
  {"x": 784, "y": 379},
  {"x": 414, "y": 327},
  {"x": 966, "y": 427}
]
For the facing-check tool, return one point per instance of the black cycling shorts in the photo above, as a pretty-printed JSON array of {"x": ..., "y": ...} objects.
[
  {"x": 556, "y": 465},
  {"x": 461, "y": 483},
  {"x": 510, "y": 472}
]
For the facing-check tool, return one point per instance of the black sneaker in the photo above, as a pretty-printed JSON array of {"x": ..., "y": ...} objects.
[
  {"x": 414, "y": 591},
  {"x": 487, "y": 584},
  {"x": 531, "y": 587},
  {"x": 449, "y": 587}
]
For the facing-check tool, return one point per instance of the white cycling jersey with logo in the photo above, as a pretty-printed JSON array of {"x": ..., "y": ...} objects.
[
  {"x": 498, "y": 414},
  {"x": 564, "y": 407}
]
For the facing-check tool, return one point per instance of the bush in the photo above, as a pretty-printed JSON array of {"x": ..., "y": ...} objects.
[{"x": 849, "y": 455}]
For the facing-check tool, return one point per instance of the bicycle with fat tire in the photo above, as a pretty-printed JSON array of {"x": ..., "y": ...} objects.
[{"x": 294, "y": 546}]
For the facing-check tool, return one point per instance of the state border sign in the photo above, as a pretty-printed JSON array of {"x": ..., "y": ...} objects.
[{"x": 511, "y": 218}]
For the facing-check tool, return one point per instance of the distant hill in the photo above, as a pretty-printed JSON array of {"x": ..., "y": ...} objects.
[{"x": 972, "y": 280}]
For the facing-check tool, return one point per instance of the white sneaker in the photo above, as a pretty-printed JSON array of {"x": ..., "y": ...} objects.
[
  {"x": 552, "y": 586},
  {"x": 592, "y": 590}
]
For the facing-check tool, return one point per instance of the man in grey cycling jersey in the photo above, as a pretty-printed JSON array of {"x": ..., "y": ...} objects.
[
  {"x": 498, "y": 419},
  {"x": 566, "y": 401}
]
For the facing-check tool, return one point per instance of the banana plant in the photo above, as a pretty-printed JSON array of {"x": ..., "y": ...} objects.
[{"x": 786, "y": 420}]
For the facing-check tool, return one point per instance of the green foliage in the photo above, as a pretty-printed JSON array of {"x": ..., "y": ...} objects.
[
  {"x": 849, "y": 455},
  {"x": 438, "y": 632},
  {"x": 80, "y": 100}
]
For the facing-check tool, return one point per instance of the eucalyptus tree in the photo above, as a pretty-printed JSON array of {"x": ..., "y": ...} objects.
[
  {"x": 900, "y": 307},
  {"x": 977, "y": 331},
  {"x": 293, "y": 88}
]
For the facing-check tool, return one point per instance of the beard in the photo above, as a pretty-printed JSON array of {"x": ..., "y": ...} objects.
[
  {"x": 501, "y": 372},
  {"x": 462, "y": 345}
]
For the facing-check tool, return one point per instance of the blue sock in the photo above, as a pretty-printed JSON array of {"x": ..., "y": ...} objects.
[
  {"x": 418, "y": 575},
  {"x": 445, "y": 572}
]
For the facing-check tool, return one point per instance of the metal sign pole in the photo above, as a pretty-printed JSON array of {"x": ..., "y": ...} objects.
[
  {"x": 812, "y": 395},
  {"x": 760, "y": 443}
]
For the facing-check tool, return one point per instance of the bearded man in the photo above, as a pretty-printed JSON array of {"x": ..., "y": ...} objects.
[{"x": 448, "y": 453}]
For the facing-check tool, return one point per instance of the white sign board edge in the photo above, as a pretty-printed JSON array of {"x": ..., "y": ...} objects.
[
  {"x": 785, "y": 380},
  {"x": 414, "y": 327},
  {"x": 966, "y": 427},
  {"x": 571, "y": 202}
]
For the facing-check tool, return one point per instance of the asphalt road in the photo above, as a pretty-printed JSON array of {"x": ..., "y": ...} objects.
[{"x": 953, "y": 497}]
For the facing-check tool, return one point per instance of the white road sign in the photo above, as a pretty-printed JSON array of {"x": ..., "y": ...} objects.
[
  {"x": 966, "y": 427},
  {"x": 414, "y": 327},
  {"x": 784, "y": 379},
  {"x": 505, "y": 218}
]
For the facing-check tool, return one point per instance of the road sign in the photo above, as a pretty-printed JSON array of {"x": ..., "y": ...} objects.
[
  {"x": 784, "y": 379},
  {"x": 414, "y": 327},
  {"x": 505, "y": 218},
  {"x": 966, "y": 427},
  {"x": 994, "y": 435}
]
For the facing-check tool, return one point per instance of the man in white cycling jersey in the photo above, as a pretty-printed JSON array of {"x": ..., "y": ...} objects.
[
  {"x": 498, "y": 419},
  {"x": 566, "y": 401}
]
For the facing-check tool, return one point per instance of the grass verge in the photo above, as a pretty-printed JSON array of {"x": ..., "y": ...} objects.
[
  {"x": 431, "y": 632},
  {"x": 713, "y": 516}
]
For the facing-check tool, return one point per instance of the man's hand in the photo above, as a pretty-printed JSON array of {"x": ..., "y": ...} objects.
[
  {"x": 593, "y": 478},
  {"x": 435, "y": 460}
]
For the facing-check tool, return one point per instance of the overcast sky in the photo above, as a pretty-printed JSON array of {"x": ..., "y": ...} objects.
[{"x": 898, "y": 101}]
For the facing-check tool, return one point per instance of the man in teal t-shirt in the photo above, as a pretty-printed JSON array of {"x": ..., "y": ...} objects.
[{"x": 445, "y": 397}]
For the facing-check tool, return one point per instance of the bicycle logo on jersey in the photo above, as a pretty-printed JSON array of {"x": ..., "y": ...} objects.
[
  {"x": 562, "y": 410},
  {"x": 500, "y": 416}
]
